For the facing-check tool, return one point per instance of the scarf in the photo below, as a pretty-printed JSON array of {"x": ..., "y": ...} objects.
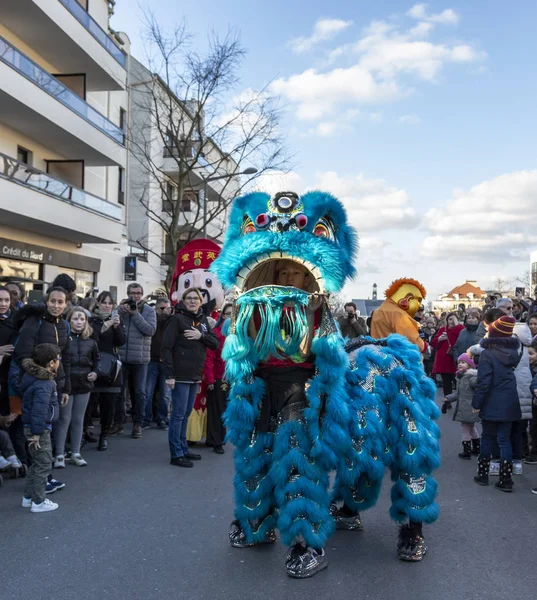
[{"x": 102, "y": 315}]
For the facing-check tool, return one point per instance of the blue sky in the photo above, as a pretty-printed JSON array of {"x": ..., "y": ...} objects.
[{"x": 421, "y": 117}]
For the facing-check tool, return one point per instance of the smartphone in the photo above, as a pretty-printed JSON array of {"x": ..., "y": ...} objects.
[{"x": 520, "y": 290}]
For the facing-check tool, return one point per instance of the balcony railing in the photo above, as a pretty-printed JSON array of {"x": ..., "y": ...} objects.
[
  {"x": 95, "y": 29},
  {"x": 21, "y": 173},
  {"x": 32, "y": 71}
]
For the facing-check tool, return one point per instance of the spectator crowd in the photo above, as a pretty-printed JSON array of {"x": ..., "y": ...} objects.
[{"x": 66, "y": 362}]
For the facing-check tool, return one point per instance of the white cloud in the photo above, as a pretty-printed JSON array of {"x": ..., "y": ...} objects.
[
  {"x": 409, "y": 120},
  {"x": 380, "y": 65},
  {"x": 324, "y": 29},
  {"x": 490, "y": 222},
  {"x": 448, "y": 16}
]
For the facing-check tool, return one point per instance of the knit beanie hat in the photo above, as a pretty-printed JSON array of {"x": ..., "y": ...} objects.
[
  {"x": 467, "y": 359},
  {"x": 67, "y": 283},
  {"x": 502, "y": 327}
]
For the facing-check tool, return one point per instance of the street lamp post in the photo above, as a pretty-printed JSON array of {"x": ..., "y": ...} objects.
[{"x": 248, "y": 171}]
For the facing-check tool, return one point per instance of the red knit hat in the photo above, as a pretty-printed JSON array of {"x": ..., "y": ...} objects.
[{"x": 502, "y": 327}]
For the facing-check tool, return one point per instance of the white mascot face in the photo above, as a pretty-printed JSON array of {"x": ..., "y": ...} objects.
[{"x": 204, "y": 280}]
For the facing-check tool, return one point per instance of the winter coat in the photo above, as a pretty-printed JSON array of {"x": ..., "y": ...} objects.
[
  {"x": 184, "y": 359},
  {"x": 40, "y": 405},
  {"x": 40, "y": 327},
  {"x": 352, "y": 328},
  {"x": 533, "y": 386},
  {"x": 156, "y": 340},
  {"x": 108, "y": 342},
  {"x": 496, "y": 394},
  {"x": 8, "y": 334},
  {"x": 139, "y": 327},
  {"x": 84, "y": 359},
  {"x": 463, "y": 397},
  {"x": 444, "y": 362},
  {"x": 214, "y": 365},
  {"x": 466, "y": 339},
  {"x": 522, "y": 372}
]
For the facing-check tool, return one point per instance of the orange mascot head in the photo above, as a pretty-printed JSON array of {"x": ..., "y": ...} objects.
[{"x": 407, "y": 293}]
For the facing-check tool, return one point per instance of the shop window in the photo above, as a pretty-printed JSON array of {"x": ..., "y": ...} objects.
[{"x": 24, "y": 156}]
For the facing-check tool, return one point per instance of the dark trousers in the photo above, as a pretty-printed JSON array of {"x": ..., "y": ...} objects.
[
  {"x": 134, "y": 379},
  {"x": 216, "y": 406},
  {"x": 6, "y": 447},
  {"x": 40, "y": 470},
  {"x": 90, "y": 409},
  {"x": 18, "y": 439},
  {"x": 529, "y": 434},
  {"x": 496, "y": 434},
  {"x": 447, "y": 383},
  {"x": 107, "y": 404}
]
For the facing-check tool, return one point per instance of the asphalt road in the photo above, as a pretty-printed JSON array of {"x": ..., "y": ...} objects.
[{"x": 130, "y": 526}]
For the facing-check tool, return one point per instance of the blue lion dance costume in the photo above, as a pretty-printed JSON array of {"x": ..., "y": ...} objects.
[{"x": 358, "y": 410}]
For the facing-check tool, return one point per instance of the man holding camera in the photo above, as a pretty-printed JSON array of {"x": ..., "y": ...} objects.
[
  {"x": 140, "y": 323},
  {"x": 351, "y": 325}
]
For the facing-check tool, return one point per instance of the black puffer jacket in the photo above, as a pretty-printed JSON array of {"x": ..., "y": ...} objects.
[
  {"x": 183, "y": 358},
  {"x": 109, "y": 341},
  {"x": 40, "y": 405},
  {"x": 8, "y": 333},
  {"x": 496, "y": 394},
  {"x": 84, "y": 359},
  {"x": 40, "y": 327}
]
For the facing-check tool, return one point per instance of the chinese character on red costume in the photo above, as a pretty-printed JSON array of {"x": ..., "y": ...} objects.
[{"x": 192, "y": 270}]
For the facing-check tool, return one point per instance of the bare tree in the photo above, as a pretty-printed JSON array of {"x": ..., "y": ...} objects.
[
  {"x": 502, "y": 285},
  {"x": 195, "y": 134},
  {"x": 525, "y": 280}
]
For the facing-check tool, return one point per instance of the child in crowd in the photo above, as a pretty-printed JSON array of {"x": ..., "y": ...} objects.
[
  {"x": 532, "y": 324},
  {"x": 40, "y": 408},
  {"x": 463, "y": 413},
  {"x": 84, "y": 358},
  {"x": 8, "y": 458},
  {"x": 496, "y": 399}
]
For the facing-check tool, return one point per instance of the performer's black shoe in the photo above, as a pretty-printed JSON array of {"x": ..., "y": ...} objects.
[
  {"x": 237, "y": 537},
  {"x": 345, "y": 519},
  {"x": 411, "y": 544},
  {"x": 304, "y": 562}
]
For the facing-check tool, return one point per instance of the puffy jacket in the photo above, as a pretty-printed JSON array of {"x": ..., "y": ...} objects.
[
  {"x": 522, "y": 372},
  {"x": 40, "y": 405},
  {"x": 139, "y": 328},
  {"x": 109, "y": 340},
  {"x": 184, "y": 359},
  {"x": 463, "y": 396},
  {"x": 444, "y": 362},
  {"x": 40, "y": 327},
  {"x": 467, "y": 338},
  {"x": 533, "y": 386},
  {"x": 496, "y": 394},
  {"x": 84, "y": 360},
  {"x": 8, "y": 334}
]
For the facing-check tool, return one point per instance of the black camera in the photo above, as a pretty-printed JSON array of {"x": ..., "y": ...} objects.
[{"x": 131, "y": 304}]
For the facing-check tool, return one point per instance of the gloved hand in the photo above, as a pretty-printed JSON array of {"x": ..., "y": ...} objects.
[{"x": 446, "y": 406}]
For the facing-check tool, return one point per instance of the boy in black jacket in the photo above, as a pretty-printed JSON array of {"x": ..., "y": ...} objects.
[{"x": 40, "y": 408}]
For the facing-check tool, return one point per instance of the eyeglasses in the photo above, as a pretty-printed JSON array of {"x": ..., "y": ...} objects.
[{"x": 508, "y": 307}]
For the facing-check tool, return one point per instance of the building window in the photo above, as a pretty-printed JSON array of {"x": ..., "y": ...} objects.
[
  {"x": 24, "y": 155},
  {"x": 123, "y": 122},
  {"x": 189, "y": 198},
  {"x": 168, "y": 198},
  {"x": 121, "y": 186}
]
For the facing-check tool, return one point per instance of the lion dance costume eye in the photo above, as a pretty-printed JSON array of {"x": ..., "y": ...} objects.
[{"x": 359, "y": 408}]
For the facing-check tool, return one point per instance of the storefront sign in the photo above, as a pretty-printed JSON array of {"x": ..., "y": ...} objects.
[
  {"x": 129, "y": 268},
  {"x": 48, "y": 256}
]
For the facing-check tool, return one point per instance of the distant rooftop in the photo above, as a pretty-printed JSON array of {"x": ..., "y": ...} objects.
[{"x": 469, "y": 287}]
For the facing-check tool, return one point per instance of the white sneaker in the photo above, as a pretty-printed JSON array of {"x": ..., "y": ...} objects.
[
  {"x": 76, "y": 459},
  {"x": 45, "y": 506},
  {"x": 517, "y": 467},
  {"x": 26, "y": 502},
  {"x": 4, "y": 464},
  {"x": 59, "y": 463},
  {"x": 14, "y": 461},
  {"x": 494, "y": 467}
]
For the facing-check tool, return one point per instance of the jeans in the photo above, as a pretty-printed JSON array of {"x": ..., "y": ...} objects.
[
  {"x": 496, "y": 434},
  {"x": 156, "y": 376},
  {"x": 134, "y": 378},
  {"x": 41, "y": 468},
  {"x": 183, "y": 396}
]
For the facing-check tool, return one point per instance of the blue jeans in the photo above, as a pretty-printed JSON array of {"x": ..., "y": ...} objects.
[
  {"x": 183, "y": 396},
  {"x": 496, "y": 434},
  {"x": 134, "y": 377},
  {"x": 156, "y": 376}
]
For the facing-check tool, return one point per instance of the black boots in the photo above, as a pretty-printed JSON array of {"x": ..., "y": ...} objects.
[
  {"x": 476, "y": 447},
  {"x": 103, "y": 444},
  {"x": 506, "y": 481},
  {"x": 411, "y": 543},
  {"x": 483, "y": 465},
  {"x": 466, "y": 453}
]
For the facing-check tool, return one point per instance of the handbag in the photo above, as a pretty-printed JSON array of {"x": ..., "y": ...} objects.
[{"x": 109, "y": 369}]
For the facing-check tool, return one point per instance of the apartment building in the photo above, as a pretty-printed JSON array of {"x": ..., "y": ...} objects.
[
  {"x": 163, "y": 136},
  {"x": 63, "y": 158}
]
